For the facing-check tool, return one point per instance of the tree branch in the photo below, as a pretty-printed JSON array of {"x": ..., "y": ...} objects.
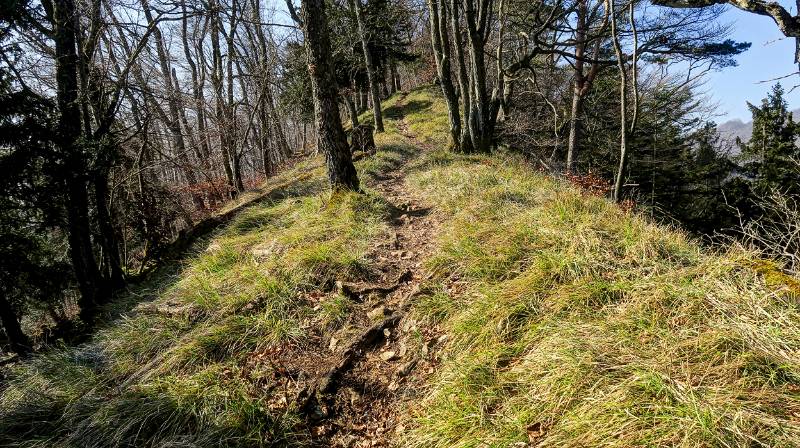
[{"x": 787, "y": 23}]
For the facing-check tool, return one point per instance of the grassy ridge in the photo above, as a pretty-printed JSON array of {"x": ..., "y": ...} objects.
[
  {"x": 566, "y": 321},
  {"x": 571, "y": 322}
]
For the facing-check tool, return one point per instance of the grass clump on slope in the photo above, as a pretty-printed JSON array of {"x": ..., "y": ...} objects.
[
  {"x": 176, "y": 371},
  {"x": 571, "y": 322}
]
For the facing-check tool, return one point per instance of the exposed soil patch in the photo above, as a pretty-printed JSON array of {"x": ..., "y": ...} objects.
[
  {"x": 350, "y": 379},
  {"x": 365, "y": 391}
]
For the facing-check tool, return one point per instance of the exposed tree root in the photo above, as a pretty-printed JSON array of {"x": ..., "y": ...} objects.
[
  {"x": 312, "y": 400},
  {"x": 357, "y": 291}
]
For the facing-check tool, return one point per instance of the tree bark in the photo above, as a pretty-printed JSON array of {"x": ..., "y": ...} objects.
[
  {"x": 440, "y": 41},
  {"x": 465, "y": 92},
  {"x": 575, "y": 127},
  {"x": 364, "y": 95},
  {"x": 305, "y": 137},
  {"x": 108, "y": 238},
  {"x": 84, "y": 264},
  {"x": 351, "y": 110},
  {"x": 198, "y": 86},
  {"x": 476, "y": 14},
  {"x": 577, "y": 85},
  {"x": 583, "y": 81},
  {"x": 230, "y": 118},
  {"x": 384, "y": 82},
  {"x": 264, "y": 144},
  {"x": 395, "y": 77},
  {"x": 372, "y": 76},
  {"x": 623, "y": 105},
  {"x": 220, "y": 107},
  {"x": 331, "y": 139}
]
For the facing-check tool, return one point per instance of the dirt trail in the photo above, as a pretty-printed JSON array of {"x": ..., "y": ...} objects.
[
  {"x": 374, "y": 388},
  {"x": 378, "y": 383},
  {"x": 351, "y": 379}
]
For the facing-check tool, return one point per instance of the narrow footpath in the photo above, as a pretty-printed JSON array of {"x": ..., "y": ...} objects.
[{"x": 351, "y": 381}]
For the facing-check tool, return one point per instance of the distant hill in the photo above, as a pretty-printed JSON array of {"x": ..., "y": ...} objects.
[
  {"x": 732, "y": 129},
  {"x": 737, "y": 128}
]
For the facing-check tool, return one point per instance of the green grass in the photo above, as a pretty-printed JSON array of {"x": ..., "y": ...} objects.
[
  {"x": 173, "y": 371},
  {"x": 580, "y": 324},
  {"x": 569, "y": 321}
]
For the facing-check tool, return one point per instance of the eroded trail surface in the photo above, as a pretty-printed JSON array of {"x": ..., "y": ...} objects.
[
  {"x": 384, "y": 358},
  {"x": 354, "y": 376}
]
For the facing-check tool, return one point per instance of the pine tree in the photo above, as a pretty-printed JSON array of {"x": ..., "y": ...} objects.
[{"x": 771, "y": 155}]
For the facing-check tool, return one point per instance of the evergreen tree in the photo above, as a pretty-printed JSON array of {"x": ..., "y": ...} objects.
[
  {"x": 32, "y": 267},
  {"x": 771, "y": 155}
]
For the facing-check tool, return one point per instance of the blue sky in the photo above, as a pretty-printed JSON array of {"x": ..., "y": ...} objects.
[{"x": 770, "y": 56}]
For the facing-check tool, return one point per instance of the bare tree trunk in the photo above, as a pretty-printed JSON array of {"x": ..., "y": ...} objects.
[
  {"x": 69, "y": 130},
  {"x": 394, "y": 79},
  {"x": 356, "y": 98},
  {"x": 266, "y": 154},
  {"x": 305, "y": 137},
  {"x": 172, "y": 121},
  {"x": 220, "y": 109},
  {"x": 108, "y": 238},
  {"x": 476, "y": 16},
  {"x": 468, "y": 127},
  {"x": 623, "y": 105},
  {"x": 230, "y": 118},
  {"x": 441, "y": 50},
  {"x": 351, "y": 110},
  {"x": 576, "y": 110},
  {"x": 578, "y": 84},
  {"x": 505, "y": 103},
  {"x": 273, "y": 119},
  {"x": 583, "y": 81},
  {"x": 198, "y": 81},
  {"x": 384, "y": 82},
  {"x": 364, "y": 99},
  {"x": 277, "y": 128},
  {"x": 368, "y": 60},
  {"x": 331, "y": 139}
]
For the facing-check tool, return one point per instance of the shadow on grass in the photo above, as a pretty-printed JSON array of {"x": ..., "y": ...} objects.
[
  {"x": 398, "y": 111},
  {"x": 101, "y": 418},
  {"x": 390, "y": 157},
  {"x": 78, "y": 395}
]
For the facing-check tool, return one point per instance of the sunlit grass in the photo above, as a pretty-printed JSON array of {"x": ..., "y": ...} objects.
[
  {"x": 585, "y": 325},
  {"x": 172, "y": 371}
]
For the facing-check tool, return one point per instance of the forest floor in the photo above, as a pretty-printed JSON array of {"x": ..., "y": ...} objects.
[{"x": 460, "y": 301}]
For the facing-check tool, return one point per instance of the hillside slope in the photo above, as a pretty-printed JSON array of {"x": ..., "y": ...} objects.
[{"x": 462, "y": 301}]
